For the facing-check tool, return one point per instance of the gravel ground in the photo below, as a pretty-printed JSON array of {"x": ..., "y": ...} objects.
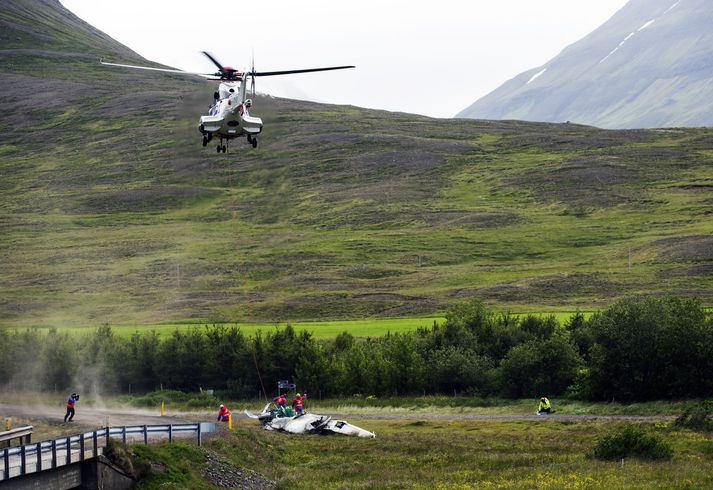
[{"x": 223, "y": 474}]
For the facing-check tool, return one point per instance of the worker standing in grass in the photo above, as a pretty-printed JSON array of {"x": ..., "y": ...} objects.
[
  {"x": 544, "y": 406},
  {"x": 298, "y": 402},
  {"x": 73, "y": 398},
  {"x": 223, "y": 414},
  {"x": 280, "y": 402}
]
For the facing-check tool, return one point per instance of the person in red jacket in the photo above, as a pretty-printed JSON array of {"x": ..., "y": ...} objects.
[
  {"x": 73, "y": 398},
  {"x": 223, "y": 414},
  {"x": 280, "y": 402},
  {"x": 297, "y": 403}
]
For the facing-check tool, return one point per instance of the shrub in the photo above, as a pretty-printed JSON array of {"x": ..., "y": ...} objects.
[
  {"x": 698, "y": 417},
  {"x": 539, "y": 366},
  {"x": 632, "y": 441},
  {"x": 155, "y": 398},
  {"x": 203, "y": 401}
]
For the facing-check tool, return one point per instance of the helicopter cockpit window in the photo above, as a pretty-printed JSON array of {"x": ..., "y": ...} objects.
[{"x": 225, "y": 93}]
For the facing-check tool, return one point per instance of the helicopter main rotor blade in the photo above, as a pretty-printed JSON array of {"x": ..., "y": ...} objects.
[
  {"x": 289, "y": 72},
  {"x": 166, "y": 70},
  {"x": 215, "y": 62}
]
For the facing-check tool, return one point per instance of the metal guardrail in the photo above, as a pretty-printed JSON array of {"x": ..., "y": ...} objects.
[
  {"x": 24, "y": 432},
  {"x": 59, "y": 451}
]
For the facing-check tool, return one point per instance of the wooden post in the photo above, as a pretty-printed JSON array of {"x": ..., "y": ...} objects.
[
  {"x": 170, "y": 432},
  {"x": 146, "y": 435},
  {"x": 123, "y": 434},
  {"x": 199, "y": 433}
]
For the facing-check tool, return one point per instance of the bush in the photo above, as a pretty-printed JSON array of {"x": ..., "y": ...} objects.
[
  {"x": 203, "y": 401},
  {"x": 698, "y": 417},
  {"x": 155, "y": 398},
  {"x": 539, "y": 366},
  {"x": 632, "y": 441}
]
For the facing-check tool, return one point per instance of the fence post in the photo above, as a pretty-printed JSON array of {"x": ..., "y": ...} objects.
[
  {"x": 69, "y": 451},
  {"x": 107, "y": 435},
  {"x": 6, "y": 472},
  {"x": 170, "y": 432},
  {"x": 81, "y": 446},
  {"x": 123, "y": 434},
  {"x": 199, "y": 433},
  {"x": 54, "y": 453},
  {"x": 146, "y": 435},
  {"x": 38, "y": 466},
  {"x": 22, "y": 460},
  {"x": 95, "y": 443}
]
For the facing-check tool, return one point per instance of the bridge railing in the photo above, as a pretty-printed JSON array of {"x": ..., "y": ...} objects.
[{"x": 29, "y": 458}]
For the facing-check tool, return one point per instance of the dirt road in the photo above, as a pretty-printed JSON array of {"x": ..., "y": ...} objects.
[
  {"x": 91, "y": 417},
  {"x": 94, "y": 416},
  {"x": 457, "y": 416}
]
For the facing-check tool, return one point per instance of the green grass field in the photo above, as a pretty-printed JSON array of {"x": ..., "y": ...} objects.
[
  {"x": 376, "y": 327},
  {"x": 415, "y": 450}
]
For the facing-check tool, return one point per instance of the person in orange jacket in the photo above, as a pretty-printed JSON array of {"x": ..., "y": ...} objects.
[
  {"x": 223, "y": 414},
  {"x": 298, "y": 402}
]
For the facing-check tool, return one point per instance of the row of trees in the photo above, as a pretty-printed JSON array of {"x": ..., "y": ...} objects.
[{"x": 638, "y": 349}]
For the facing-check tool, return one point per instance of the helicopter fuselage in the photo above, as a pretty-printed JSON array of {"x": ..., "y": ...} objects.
[{"x": 229, "y": 115}]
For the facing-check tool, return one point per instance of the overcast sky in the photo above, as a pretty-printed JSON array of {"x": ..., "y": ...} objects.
[{"x": 425, "y": 57}]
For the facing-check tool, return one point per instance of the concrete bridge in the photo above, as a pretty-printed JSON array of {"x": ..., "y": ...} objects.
[{"x": 77, "y": 461}]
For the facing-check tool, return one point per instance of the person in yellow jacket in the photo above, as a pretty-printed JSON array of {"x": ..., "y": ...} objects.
[{"x": 544, "y": 407}]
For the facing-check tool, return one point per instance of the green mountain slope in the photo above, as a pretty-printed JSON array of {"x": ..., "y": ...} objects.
[{"x": 111, "y": 211}]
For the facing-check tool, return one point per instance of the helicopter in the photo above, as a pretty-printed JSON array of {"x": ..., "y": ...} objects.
[{"x": 229, "y": 114}]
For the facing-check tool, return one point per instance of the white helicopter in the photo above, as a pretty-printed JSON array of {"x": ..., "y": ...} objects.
[{"x": 229, "y": 115}]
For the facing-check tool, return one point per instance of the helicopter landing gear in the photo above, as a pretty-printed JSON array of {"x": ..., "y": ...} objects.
[
  {"x": 252, "y": 140},
  {"x": 221, "y": 147},
  {"x": 206, "y": 136}
]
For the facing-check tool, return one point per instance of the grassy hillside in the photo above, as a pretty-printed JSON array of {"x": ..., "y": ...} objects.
[{"x": 111, "y": 211}]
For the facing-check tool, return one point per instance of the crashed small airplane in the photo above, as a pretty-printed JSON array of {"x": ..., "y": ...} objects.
[{"x": 307, "y": 423}]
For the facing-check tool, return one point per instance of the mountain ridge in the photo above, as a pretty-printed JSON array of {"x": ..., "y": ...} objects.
[{"x": 650, "y": 65}]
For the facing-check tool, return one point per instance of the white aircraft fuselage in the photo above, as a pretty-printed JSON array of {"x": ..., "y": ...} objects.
[{"x": 229, "y": 116}]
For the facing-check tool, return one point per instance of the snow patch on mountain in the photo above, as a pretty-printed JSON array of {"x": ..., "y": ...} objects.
[
  {"x": 536, "y": 76},
  {"x": 672, "y": 7},
  {"x": 646, "y": 25}
]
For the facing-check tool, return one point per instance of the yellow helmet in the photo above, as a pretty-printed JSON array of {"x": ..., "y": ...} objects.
[{"x": 298, "y": 394}]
